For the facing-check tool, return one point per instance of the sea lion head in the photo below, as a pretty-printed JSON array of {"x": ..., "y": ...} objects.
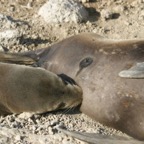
[
  {"x": 70, "y": 93},
  {"x": 27, "y": 89}
]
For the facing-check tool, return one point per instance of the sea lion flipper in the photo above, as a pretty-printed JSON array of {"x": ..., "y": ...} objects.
[
  {"x": 17, "y": 58},
  {"x": 98, "y": 138},
  {"x": 135, "y": 72}
]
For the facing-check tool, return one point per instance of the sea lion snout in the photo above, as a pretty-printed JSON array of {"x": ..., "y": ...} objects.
[
  {"x": 71, "y": 92},
  {"x": 66, "y": 79}
]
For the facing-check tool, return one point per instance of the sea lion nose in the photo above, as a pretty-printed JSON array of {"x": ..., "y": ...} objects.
[{"x": 67, "y": 80}]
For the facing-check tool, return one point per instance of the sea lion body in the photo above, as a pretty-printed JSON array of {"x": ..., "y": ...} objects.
[
  {"x": 107, "y": 98},
  {"x": 27, "y": 89},
  {"x": 95, "y": 63}
]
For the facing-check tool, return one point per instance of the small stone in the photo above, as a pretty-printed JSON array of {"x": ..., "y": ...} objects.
[
  {"x": 1, "y": 48},
  {"x": 12, "y": 8},
  {"x": 109, "y": 14},
  {"x": 83, "y": 1},
  {"x": 141, "y": 1},
  {"x": 54, "y": 122},
  {"x": 141, "y": 15},
  {"x": 34, "y": 128},
  {"x": 118, "y": 9},
  {"x": 18, "y": 137},
  {"x": 50, "y": 130},
  {"x": 25, "y": 115},
  {"x": 106, "y": 14},
  {"x": 88, "y": 23}
]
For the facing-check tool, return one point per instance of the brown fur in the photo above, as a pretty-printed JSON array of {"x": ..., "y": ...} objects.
[{"x": 27, "y": 89}]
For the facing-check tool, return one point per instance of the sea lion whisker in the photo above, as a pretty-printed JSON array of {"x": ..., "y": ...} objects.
[{"x": 66, "y": 110}]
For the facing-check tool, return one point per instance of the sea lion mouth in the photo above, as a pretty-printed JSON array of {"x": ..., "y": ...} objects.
[
  {"x": 76, "y": 103},
  {"x": 61, "y": 105}
]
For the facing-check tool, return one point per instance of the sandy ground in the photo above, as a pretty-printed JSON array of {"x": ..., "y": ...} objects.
[{"x": 116, "y": 19}]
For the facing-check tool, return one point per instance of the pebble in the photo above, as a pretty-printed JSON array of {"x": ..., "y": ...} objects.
[
  {"x": 18, "y": 137},
  {"x": 50, "y": 131},
  {"x": 84, "y": 1},
  {"x": 1, "y": 48},
  {"x": 106, "y": 14},
  {"x": 25, "y": 115},
  {"x": 54, "y": 122},
  {"x": 12, "y": 8}
]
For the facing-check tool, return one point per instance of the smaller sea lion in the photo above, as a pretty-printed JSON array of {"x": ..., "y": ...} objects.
[{"x": 35, "y": 90}]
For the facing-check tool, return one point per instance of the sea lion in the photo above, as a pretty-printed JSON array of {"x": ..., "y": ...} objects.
[
  {"x": 96, "y": 64},
  {"x": 27, "y": 89}
]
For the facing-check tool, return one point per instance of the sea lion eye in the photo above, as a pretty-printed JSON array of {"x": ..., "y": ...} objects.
[{"x": 86, "y": 62}]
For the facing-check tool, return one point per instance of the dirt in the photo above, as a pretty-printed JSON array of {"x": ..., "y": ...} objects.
[{"x": 116, "y": 19}]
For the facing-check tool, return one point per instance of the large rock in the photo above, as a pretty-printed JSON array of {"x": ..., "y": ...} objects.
[{"x": 58, "y": 11}]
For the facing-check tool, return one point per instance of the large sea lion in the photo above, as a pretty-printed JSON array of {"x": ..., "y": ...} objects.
[
  {"x": 98, "y": 65},
  {"x": 27, "y": 89}
]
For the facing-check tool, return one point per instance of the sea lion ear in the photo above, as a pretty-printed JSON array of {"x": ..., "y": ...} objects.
[{"x": 135, "y": 72}]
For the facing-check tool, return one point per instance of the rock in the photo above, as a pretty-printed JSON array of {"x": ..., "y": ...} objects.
[
  {"x": 141, "y": 15},
  {"x": 18, "y": 137},
  {"x": 84, "y": 1},
  {"x": 59, "y": 11},
  {"x": 25, "y": 115},
  {"x": 10, "y": 37},
  {"x": 9, "y": 34},
  {"x": 1, "y": 48},
  {"x": 107, "y": 14}
]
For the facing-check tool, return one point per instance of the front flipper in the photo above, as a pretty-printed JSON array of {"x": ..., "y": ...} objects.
[
  {"x": 98, "y": 138},
  {"x": 135, "y": 72},
  {"x": 17, "y": 58}
]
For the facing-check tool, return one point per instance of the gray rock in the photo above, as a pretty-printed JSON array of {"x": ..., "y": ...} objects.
[
  {"x": 10, "y": 37},
  {"x": 9, "y": 34},
  {"x": 59, "y": 11},
  {"x": 106, "y": 14}
]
